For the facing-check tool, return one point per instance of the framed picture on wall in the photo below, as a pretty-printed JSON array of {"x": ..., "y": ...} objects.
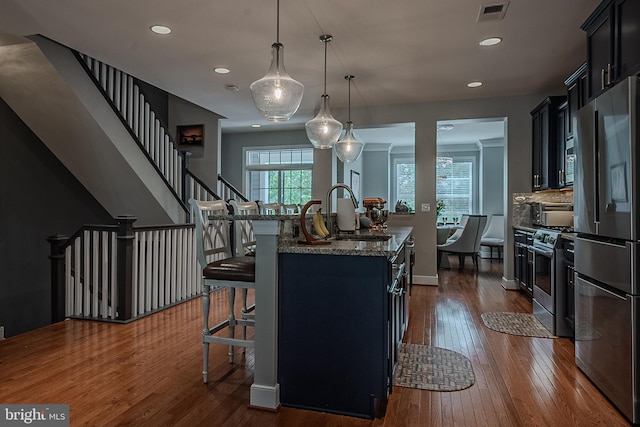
[
  {"x": 191, "y": 135},
  {"x": 355, "y": 184}
]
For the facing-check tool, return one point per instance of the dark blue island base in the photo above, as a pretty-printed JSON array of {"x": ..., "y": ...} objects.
[{"x": 337, "y": 341}]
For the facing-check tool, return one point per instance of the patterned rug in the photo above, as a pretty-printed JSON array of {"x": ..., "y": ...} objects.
[
  {"x": 432, "y": 368},
  {"x": 524, "y": 324}
]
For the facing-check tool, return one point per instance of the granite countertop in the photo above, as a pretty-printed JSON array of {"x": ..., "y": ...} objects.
[{"x": 365, "y": 243}]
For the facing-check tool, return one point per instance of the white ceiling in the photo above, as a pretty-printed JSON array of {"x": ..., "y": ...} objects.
[{"x": 400, "y": 52}]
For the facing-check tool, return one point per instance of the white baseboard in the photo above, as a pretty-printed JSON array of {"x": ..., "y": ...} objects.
[
  {"x": 510, "y": 285},
  {"x": 264, "y": 397},
  {"x": 425, "y": 280}
]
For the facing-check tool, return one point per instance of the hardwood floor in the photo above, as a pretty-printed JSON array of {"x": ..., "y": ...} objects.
[{"x": 148, "y": 373}]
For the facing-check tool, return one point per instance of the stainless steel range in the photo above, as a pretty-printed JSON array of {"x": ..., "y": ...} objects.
[{"x": 548, "y": 295}]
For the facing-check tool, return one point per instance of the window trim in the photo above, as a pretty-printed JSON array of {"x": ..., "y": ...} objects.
[
  {"x": 286, "y": 166},
  {"x": 475, "y": 177},
  {"x": 394, "y": 188},
  {"x": 246, "y": 170}
]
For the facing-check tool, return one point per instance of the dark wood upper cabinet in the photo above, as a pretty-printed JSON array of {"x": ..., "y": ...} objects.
[
  {"x": 577, "y": 89},
  {"x": 613, "y": 37},
  {"x": 545, "y": 170},
  {"x": 627, "y": 14}
]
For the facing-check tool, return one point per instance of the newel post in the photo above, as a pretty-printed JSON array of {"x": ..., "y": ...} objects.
[
  {"x": 124, "y": 257},
  {"x": 58, "y": 286}
]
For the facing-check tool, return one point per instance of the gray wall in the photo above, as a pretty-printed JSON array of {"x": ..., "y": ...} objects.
[
  {"x": 233, "y": 144},
  {"x": 426, "y": 115},
  {"x": 205, "y": 160},
  {"x": 492, "y": 173},
  {"x": 40, "y": 198},
  {"x": 376, "y": 169},
  {"x": 517, "y": 159}
]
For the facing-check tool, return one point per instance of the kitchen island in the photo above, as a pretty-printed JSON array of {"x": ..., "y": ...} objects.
[{"x": 341, "y": 318}]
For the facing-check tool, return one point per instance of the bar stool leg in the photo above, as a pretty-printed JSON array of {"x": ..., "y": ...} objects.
[
  {"x": 232, "y": 319},
  {"x": 205, "y": 333},
  {"x": 245, "y": 291}
]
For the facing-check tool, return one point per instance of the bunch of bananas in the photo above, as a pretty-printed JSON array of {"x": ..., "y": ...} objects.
[{"x": 318, "y": 224}]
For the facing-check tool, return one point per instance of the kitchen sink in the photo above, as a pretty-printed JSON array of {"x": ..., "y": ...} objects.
[{"x": 363, "y": 237}]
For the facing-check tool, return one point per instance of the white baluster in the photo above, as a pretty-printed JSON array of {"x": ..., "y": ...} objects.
[
  {"x": 86, "y": 274},
  {"x": 162, "y": 261},
  {"x": 130, "y": 101},
  {"x": 95, "y": 278},
  {"x": 104, "y": 282},
  {"x": 136, "y": 278},
  {"x": 68, "y": 280},
  {"x": 148, "y": 272},
  {"x": 79, "y": 282}
]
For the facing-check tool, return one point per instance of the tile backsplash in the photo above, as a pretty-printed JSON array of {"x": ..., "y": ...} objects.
[{"x": 522, "y": 204}]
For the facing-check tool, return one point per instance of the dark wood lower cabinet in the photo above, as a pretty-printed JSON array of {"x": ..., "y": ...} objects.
[{"x": 339, "y": 330}]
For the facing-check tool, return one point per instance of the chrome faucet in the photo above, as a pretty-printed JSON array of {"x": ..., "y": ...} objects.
[{"x": 328, "y": 203}]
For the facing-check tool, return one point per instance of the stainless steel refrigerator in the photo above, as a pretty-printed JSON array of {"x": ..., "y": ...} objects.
[{"x": 606, "y": 217}]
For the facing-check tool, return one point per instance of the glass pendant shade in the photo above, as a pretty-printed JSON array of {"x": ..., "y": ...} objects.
[
  {"x": 349, "y": 148},
  {"x": 323, "y": 130},
  {"x": 277, "y": 96}
]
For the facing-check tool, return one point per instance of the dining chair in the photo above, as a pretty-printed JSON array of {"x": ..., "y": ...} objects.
[
  {"x": 220, "y": 268},
  {"x": 493, "y": 237},
  {"x": 468, "y": 242},
  {"x": 458, "y": 231}
]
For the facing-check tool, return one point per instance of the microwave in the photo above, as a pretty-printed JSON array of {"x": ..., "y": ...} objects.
[{"x": 552, "y": 214}]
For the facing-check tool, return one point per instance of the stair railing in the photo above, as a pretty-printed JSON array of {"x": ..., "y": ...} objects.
[
  {"x": 146, "y": 128},
  {"x": 119, "y": 273},
  {"x": 228, "y": 191}
]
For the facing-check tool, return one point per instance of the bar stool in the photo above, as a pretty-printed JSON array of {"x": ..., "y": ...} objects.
[{"x": 220, "y": 268}]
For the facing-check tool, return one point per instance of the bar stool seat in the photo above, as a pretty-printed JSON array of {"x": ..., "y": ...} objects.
[{"x": 237, "y": 268}]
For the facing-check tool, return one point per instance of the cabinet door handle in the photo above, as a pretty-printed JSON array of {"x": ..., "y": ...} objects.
[
  {"x": 608, "y": 74},
  {"x": 602, "y": 79},
  {"x": 560, "y": 177}
]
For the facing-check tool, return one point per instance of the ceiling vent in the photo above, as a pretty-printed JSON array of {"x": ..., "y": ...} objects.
[{"x": 493, "y": 12}]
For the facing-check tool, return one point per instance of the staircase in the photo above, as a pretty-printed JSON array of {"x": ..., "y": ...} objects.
[{"x": 113, "y": 144}]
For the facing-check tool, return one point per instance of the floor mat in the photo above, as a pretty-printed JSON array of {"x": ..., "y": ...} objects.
[
  {"x": 524, "y": 324},
  {"x": 432, "y": 368}
]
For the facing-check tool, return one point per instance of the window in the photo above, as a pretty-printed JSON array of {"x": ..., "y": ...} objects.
[
  {"x": 454, "y": 186},
  {"x": 405, "y": 179},
  {"x": 277, "y": 175}
]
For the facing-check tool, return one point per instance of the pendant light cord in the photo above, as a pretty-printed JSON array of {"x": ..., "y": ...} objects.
[
  {"x": 278, "y": 22},
  {"x": 325, "y": 66},
  {"x": 349, "y": 78}
]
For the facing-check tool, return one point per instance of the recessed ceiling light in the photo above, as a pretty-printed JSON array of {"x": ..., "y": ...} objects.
[
  {"x": 256, "y": 126},
  {"x": 474, "y": 84},
  {"x": 160, "y": 29},
  {"x": 221, "y": 70},
  {"x": 491, "y": 41}
]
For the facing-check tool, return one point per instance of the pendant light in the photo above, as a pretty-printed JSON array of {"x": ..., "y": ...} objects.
[
  {"x": 323, "y": 130},
  {"x": 277, "y": 96},
  {"x": 348, "y": 149}
]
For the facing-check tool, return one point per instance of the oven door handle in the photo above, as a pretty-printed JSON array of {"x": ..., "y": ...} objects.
[{"x": 548, "y": 254}]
